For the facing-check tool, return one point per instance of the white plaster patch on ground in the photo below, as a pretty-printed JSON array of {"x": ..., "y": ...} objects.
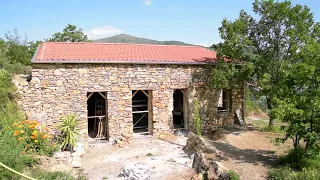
[{"x": 109, "y": 161}]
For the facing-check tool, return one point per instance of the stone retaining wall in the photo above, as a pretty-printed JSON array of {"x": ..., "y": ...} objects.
[{"x": 58, "y": 89}]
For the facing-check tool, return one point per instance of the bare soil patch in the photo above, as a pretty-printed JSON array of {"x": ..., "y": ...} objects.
[{"x": 248, "y": 151}]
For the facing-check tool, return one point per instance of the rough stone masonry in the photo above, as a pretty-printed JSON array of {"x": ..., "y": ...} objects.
[{"x": 59, "y": 89}]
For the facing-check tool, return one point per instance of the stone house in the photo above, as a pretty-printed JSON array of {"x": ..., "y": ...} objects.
[{"x": 122, "y": 89}]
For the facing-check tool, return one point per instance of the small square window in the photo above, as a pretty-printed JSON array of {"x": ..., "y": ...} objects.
[{"x": 224, "y": 100}]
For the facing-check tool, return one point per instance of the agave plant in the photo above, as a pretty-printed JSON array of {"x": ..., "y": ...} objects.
[{"x": 68, "y": 128}]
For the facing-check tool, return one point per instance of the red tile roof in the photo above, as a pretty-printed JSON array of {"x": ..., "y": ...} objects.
[{"x": 85, "y": 52}]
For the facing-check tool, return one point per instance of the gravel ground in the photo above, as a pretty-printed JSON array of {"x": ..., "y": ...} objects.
[{"x": 107, "y": 161}]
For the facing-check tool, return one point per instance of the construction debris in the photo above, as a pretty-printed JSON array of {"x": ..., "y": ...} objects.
[{"x": 133, "y": 171}]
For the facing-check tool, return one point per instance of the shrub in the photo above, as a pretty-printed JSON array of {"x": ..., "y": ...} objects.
[
  {"x": 285, "y": 173},
  {"x": 197, "y": 118},
  {"x": 11, "y": 155},
  {"x": 33, "y": 137},
  {"x": 294, "y": 158},
  {"x": 280, "y": 174},
  {"x": 306, "y": 174},
  {"x": 69, "y": 130},
  {"x": 234, "y": 175},
  {"x": 6, "y": 88}
]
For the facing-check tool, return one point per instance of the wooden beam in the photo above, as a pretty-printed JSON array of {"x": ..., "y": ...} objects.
[
  {"x": 104, "y": 97},
  {"x": 89, "y": 96},
  {"x": 182, "y": 90},
  {"x": 134, "y": 93},
  {"x": 145, "y": 93}
]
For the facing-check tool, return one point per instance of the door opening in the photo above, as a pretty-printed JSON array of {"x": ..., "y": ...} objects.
[
  {"x": 96, "y": 106},
  {"x": 140, "y": 111},
  {"x": 178, "y": 109}
]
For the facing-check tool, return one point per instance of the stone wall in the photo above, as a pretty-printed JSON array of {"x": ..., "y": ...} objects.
[{"x": 58, "y": 89}]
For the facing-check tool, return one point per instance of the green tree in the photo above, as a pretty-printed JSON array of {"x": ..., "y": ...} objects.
[
  {"x": 69, "y": 34},
  {"x": 16, "y": 52},
  {"x": 298, "y": 103},
  {"x": 271, "y": 38}
]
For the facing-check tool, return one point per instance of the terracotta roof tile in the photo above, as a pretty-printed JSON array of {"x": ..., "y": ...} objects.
[{"x": 84, "y": 51}]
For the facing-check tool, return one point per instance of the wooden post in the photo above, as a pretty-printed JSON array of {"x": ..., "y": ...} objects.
[
  {"x": 150, "y": 114},
  {"x": 185, "y": 108}
]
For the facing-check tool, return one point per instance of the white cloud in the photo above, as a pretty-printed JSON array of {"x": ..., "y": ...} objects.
[
  {"x": 102, "y": 32},
  {"x": 147, "y": 2}
]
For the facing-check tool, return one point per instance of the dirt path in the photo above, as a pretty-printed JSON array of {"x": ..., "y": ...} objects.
[
  {"x": 250, "y": 153},
  {"x": 107, "y": 162}
]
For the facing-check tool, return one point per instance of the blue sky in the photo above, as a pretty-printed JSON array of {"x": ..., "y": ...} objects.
[{"x": 191, "y": 21}]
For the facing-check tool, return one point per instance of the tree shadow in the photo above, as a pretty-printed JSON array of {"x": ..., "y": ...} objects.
[{"x": 264, "y": 157}]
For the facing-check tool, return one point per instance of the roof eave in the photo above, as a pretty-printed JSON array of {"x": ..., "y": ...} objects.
[{"x": 117, "y": 62}]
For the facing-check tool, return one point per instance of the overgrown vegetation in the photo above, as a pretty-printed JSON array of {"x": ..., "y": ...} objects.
[
  {"x": 21, "y": 140},
  {"x": 280, "y": 44},
  {"x": 197, "y": 119},
  {"x": 296, "y": 165}
]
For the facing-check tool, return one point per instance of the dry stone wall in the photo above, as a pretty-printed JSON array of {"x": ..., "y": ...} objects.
[{"x": 58, "y": 89}]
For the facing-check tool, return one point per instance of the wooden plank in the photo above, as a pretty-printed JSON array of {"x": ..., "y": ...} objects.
[
  {"x": 185, "y": 111},
  {"x": 104, "y": 97},
  {"x": 134, "y": 93},
  {"x": 238, "y": 113},
  {"x": 133, "y": 112},
  {"x": 182, "y": 90},
  {"x": 90, "y": 95},
  {"x": 150, "y": 121},
  {"x": 145, "y": 93}
]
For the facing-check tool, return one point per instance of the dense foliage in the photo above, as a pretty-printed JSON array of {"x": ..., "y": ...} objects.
[
  {"x": 298, "y": 102},
  {"x": 16, "y": 52},
  {"x": 69, "y": 34},
  {"x": 271, "y": 38}
]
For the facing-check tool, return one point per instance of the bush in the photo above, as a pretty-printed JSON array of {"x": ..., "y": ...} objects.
[
  {"x": 286, "y": 173},
  {"x": 234, "y": 175},
  {"x": 306, "y": 174},
  {"x": 11, "y": 156},
  {"x": 294, "y": 158},
  {"x": 6, "y": 89},
  {"x": 33, "y": 137},
  {"x": 280, "y": 174}
]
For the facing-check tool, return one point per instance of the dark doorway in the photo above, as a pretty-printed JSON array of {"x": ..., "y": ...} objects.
[
  {"x": 97, "y": 124},
  {"x": 178, "y": 109},
  {"x": 140, "y": 111}
]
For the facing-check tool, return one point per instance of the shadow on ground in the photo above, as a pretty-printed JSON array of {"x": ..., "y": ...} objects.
[{"x": 247, "y": 155}]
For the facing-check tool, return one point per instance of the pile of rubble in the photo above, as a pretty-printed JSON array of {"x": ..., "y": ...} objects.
[
  {"x": 137, "y": 171},
  {"x": 124, "y": 139},
  {"x": 71, "y": 158}
]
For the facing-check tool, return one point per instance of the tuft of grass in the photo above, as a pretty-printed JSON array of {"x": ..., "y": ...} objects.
[
  {"x": 46, "y": 175},
  {"x": 149, "y": 154},
  {"x": 231, "y": 175}
]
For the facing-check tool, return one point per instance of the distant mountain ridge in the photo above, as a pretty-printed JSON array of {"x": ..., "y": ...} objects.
[{"x": 125, "y": 38}]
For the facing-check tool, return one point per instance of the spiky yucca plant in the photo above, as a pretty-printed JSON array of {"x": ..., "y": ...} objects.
[{"x": 68, "y": 128}]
